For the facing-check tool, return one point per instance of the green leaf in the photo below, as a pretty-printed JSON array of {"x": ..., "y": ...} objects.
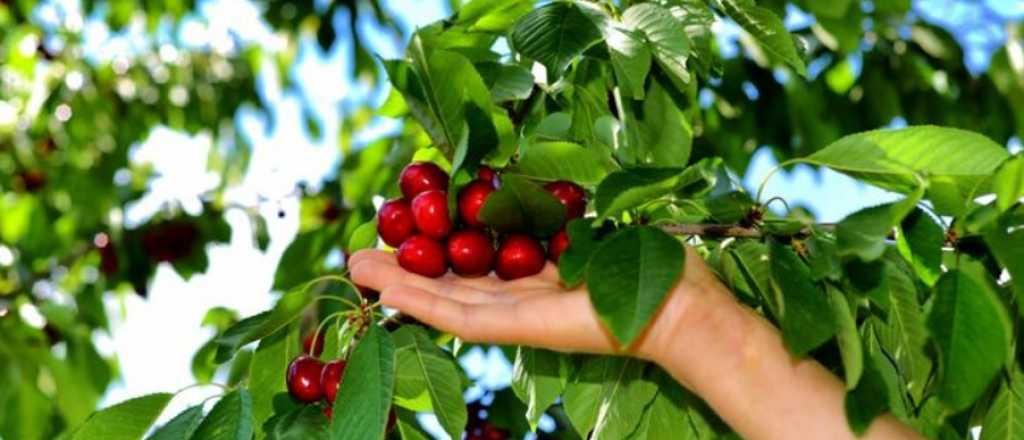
[
  {"x": 920, "y": 239},
  {"x": 767, "y": 28},
  {"x": 863, "y": 233},
  {"x": 868, "y": 400},
  {"x": 181, "y": 426},
  {"x": 1005, "y": 418},
  {"x": 408, "y": 427},
  {"x": 904, "y": 334},
  {"x": 264, "y": 324},
  {"x": 364, "y": 397},
  {"x": 128, "y": 420},
  {"x": 1008, "y": 183},
  {"x": 364, "y": 237},
  {"x": 538, "y": 377},
  {"x": 665, "y": 36},
  {"x": 657, "y": 131},
  {"x": 1008, "y": 248},
  {"x": 752, "y": 259},
  {"x": 554, "y": 34},
  {"x": 889, "y": 159},
  {"x": 630, "y": 275},
  {"x": 564, "y": 161},
  {"x": 492, "y": 15},
  {"x": 303, "y": 422},
  {"x": 230, "y": 419},
  {"x": 669, "y": 416},
  {"x": 507, "y": 82},
  {"x": 972, "y": 333},
  {"x": 630, "y": 57},
  {"x": 807, "y": 319},
  {"x": 608, "y": 396},
  {"x": 272, "y": 356},
  {"x": 572, "y": 265},
  {"x": 521, "y": 205},
  {"x": 423, "y": 371},
  {"x": 633, "y": 187},
  {"x": 851, "y": 349},
  {"x": 823, "y": 256}
]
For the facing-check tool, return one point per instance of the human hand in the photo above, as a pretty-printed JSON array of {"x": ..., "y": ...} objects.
[{"x": 535, "y": 311}]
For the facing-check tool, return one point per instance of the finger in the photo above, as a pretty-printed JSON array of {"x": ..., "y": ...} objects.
[
  {"x": 369, "y": 255},
  {"x": 379, "y": 275},
  {"x": 546, "y": 279},
  {"x": 471, "y": 322}
]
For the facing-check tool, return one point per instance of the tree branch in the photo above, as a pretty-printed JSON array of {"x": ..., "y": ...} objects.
[{"x": 732, "y": 230}]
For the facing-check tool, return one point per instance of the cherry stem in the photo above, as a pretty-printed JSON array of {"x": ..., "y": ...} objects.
[
  {"x": 320, "y": 327},
  {"x": 223, "y": 387}
]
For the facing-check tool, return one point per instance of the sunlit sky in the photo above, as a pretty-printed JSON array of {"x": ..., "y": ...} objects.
[{"x": 154, "y": 339}]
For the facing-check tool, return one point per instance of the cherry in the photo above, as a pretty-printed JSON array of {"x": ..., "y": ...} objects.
[
  {"x": 395, "y": 222},
  {"x": 424, "y": 256},
  {"x": 308, "y": 346},
  {"x": 571, "y": 195},
  {"x": 472, "y": 199},
  {"x": 519, "y": 256},
  {"x": 303, "y": 379},
  {"x": 484, "y": 430},
  {"x": 430, "y": 211},
  {"x": 392, "y": 420},
  {"x": 487, "y": 174},
  {"x": 329, "y": 412},
  {"x": 330, "y": 379},
  {"x": 470, "y": 252},
  {"x": 419, "y": 177},
  {"x": 170, "y": 241},
  {"x": 557, "y": 244}
]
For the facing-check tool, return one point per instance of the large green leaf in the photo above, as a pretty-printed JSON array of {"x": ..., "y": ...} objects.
[
  {"x": 572, "y": 265},
  {"x": 904, "y": 335},
  {"x": 521, "y": 205},
  {"x": 920, "y": 240},
  {"x": 262, "y": 325},
  {"x": 425, "y": 372},
  {"x": 664, "y": 35},
  {"x": 181, "y": 426},
  {"x": 564, "y": 161},
  {"x": 554, "y": 34},
  {"x": 851, "y": 349},
  {"x": 364, "y": 397},
  {"x": 869, "y": 399},
  {"x": 972, "y": 333},
  {"x": 657, "y": 131},
  {"x": 630, "y": 58},
  {"x": 890, "y": 158},
  {"x": 507, "y": 82},
  {"x": 670, "y": 416},
  {"x": 633, "y": 187},
  {"x": 303, "y": 422},
  {"x": 863, "y": 233},
  {"x": 807, "y": 319},
  {"x": 1008, "y": 183},
  {"x": 1008, "y": 248},
  {"x": 767, "y": 28},
  {"x": 128, "y": 420},
  {"x": 272, "y": 356},
  {"x": 608, "y": 396},
  {"x": 230, "y": 419},
  {"x": 629, "y": 277},
  {"x": 492, "y": 15},
  {"x": 1005, "y": 418},
  {"x": 538, "y": 377}
]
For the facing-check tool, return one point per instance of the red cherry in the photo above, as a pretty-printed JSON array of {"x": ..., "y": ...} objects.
[
  {"x": 304, "y": 379},
  {"x": 419, "y": 177},
  {"x": 571, "y": 195},
  {"x": 472, "y": 199},
  {"x": 330, "y": 379},
  {"x": 329, "y": 412},
  {"x": 307, "y": 344},
  {"x": 395, "y": 222},
  {"x": 470, "y": 252},
  {"x": 392, "y": 419},
  {"x": 558, "y": 243},
  {"x": 424, "y": 256},
  {"x": 430, "y": 211},
  {"x": 519, "y": 256},
  {"x": 487, "y": 174}
]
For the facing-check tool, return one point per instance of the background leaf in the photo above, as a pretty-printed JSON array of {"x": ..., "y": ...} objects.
[
  {"x": 554, "y": 34},
  {"x": 364, "y": 397},
  {"x": 422, "y": 369},
  {"x": 538, "y": 377},
  {"x": 128, "y": 420},
  {"x": 807, "y": 319},
  {"x": 230, "y": 419}
]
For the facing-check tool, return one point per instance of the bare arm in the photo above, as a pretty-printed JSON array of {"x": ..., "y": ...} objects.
[{"x": 719, "y": 349}]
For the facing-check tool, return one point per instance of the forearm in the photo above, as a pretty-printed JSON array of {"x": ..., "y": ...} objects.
[{"x": 736, "y": 361}]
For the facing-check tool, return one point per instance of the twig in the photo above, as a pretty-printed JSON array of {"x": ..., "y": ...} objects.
[{"x": 732, "y": 230}]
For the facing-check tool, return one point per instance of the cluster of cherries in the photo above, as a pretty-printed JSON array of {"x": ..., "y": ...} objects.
[
  {"x": 429, "y": 241},
  {"x": 311, "y": 380}
]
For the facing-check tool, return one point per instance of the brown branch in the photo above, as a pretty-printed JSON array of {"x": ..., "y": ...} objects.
[{"x": 732, "y": 230}]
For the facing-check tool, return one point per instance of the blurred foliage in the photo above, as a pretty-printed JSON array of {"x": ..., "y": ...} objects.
[{"x": 68, "y": 122}]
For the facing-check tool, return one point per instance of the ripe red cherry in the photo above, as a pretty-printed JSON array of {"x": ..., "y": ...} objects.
[
  {"x": 487, "y": 174},
  {"x": 470, "y": 252},
  {"x": 519, "y": 255},
  {"x": 472, "y": 199},
  {"x": 395, "y": 222},
  {"x": 307, "y": 344},
  {"x": 558, "y": 243},
  {"x": 419, "y": 177},
  {"x": 423, "y": 256},
  {"x": 330, "y": 379},
  {"x": 571, "y": 195},
  {"x": 430, "y": 211},
  {"x": 303, "y": 379}
]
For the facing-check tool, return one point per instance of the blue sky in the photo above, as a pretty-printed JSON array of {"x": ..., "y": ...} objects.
[{"x": 154, "y": 339}]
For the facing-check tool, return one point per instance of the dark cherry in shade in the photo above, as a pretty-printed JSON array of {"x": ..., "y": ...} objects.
[
  {"x": 470, "y": 252},
  {"x": 395, "y": 222},
  {"x": 519, "y": 256},
  {"x": 472, "y": 199},
  {"x": 307, "y": 345},
  {"x": 557, "y": 244},
  {"x": 430, "y": 212},
  {"x": 419, "y": 177},
  {"x": 571, "y": 195},
  {"x": 303, "y": 379},
  {"x": 487, "y": 174},
  {"x": 330, "y": 379},
  {"x": 329, "y": 411},
  {"x": 423, "y": 255}
]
